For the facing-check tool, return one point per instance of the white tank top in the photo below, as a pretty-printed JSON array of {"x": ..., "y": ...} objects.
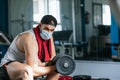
[{"x": 13, "y": 53}]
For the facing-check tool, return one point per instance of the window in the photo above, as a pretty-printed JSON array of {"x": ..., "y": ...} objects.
[
  {"x": 36, "y": 9},
  {"x": 106, "y": 15},
  {"x": 102, "y": 14},
  {"x": 43, "y": 7}
]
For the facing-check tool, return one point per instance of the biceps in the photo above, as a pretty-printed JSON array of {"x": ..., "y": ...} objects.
[
  {"x": 30, "y": 55},
  {"x": 53, "y": 49}
]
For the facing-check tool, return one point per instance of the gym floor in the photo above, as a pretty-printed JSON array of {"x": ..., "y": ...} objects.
[{"x": 98, "y": 69}]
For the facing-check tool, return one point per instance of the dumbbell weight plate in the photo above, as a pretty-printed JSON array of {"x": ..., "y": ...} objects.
[
  {"x": 65, "y": 65},
  {"x": 54, "y": 60},
  {"x": 82, "y": 77}
]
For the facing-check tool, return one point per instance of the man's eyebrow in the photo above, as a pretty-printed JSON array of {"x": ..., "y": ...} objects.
[{"x": 49, "y": 28}]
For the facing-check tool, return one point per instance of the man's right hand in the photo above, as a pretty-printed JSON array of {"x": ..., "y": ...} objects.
[{"x": 49, "y": 63}]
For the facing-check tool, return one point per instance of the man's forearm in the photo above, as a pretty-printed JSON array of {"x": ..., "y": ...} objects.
[{"x": 43, "y": 70}]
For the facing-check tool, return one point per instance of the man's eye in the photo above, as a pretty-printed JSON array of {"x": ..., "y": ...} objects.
[
  {"x": 46, "y": 29},
  {"x": 52, "y": 30}
]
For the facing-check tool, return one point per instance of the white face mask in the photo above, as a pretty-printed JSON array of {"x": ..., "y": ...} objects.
[{"x": 45, "y": 35}]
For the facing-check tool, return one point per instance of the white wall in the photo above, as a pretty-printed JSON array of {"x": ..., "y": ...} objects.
[
  {"x": 16, "y": 9},
  {"x": 101, "y": 1},
  {"x": 89, "y": 27},
  {"x": 66, "y": 14},
  {"x": 98, "y": 69}
]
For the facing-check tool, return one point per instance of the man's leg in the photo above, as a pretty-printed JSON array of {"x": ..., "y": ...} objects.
[
  {"x": 53, "y": 76},
  {"x": 19, "y": 71}
]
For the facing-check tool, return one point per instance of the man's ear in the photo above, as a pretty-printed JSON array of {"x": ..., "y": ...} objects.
[{"x": 40, "y": 26}]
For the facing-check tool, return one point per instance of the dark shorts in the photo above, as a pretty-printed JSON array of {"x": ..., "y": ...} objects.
[{"x": 3, "y": 73}]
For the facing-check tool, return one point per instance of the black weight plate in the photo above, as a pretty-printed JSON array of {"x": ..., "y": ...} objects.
[
  {"x": 82, "y": 77},
  {"x": 65, "y": 65},
  {"x": 54, "y": 60}
]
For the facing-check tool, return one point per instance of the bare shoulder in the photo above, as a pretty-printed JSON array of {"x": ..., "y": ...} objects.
[{"x": 25, "y": 39}]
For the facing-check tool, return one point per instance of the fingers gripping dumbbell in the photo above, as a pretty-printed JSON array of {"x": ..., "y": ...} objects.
[{"x": 65, "y": 65}]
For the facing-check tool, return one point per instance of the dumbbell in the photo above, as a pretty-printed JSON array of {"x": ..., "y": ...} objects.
[
  {"x": 82, "y": 77},
  {"x": 65, "y": 65}
]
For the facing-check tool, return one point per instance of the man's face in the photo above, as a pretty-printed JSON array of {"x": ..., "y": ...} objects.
[{"x": 47, "y": 27}]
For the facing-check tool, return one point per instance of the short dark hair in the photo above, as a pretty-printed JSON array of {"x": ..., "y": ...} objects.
[{"x": 49, "y": 19}]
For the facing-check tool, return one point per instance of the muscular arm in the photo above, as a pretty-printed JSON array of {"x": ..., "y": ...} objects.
[
  {"x": 53, "y": 48},
  {"x": 28, "y": 45}
]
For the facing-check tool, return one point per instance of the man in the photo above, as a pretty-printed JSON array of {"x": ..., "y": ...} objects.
[{"x": 30, "y": 51}]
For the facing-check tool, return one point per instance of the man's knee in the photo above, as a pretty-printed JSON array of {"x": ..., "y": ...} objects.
[
  {"x": 53, "y": 76},
  {"x": 27, "y": 72},
  {"x": 27, "y": 69}
]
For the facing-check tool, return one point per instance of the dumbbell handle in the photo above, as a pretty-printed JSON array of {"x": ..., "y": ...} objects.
[{"x": 49, "y": 63}]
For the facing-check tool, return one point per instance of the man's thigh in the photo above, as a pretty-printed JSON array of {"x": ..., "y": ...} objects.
[{"x": 14, "y": 69}]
